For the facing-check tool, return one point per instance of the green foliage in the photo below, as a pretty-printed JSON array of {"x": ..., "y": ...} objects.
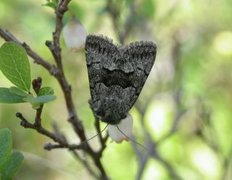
[
  {"x": 40, "y": 99},
  {"x": 9, "y": 161},
  {"x": 46, "y": 91},
  {"x": 18, "y": 91},
  {"x": 6, "y": 146},
  {"x": 45, "y": 95},
  {"x": 15, "y": 66},
  {"x": 51, "y": 3},
  {"x": 6, "y": 96}
]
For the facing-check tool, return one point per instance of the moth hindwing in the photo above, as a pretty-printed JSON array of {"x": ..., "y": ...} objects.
[{"x": 116, "y": 75}]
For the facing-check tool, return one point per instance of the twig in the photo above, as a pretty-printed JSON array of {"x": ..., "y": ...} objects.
[
  {"x": 57, "y": 131},
  {"x": 60, "y": 141},
  {"x": 7, "y": 36},
  {"x": 167, "y": 166},
  {"x": 173, "y": 127},
  {"x": 38, "y": 127},
  {"x": 144, "y": 157},
  {"x": 50, "y": 146},
  {"x": 101, "y": 138},
  {"x": 66, "y": 88},
  {"x": 142, "y": 164},
  {"x": 99, "y": 131},
  {"x": 55, "y": 49},
  {"x": 37, "y": 83},
  {"x": 122, "y": 34},
  {"x": 58, "y": 73},
  {"x": 86, "y": 164}
]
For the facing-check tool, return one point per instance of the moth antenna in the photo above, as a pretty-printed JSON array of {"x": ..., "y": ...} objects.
[
  {"x": 87, "y": 140},
  {"x": 134, "y": 141}
]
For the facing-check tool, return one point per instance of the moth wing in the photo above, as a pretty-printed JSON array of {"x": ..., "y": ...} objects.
[
  {"x": 99, "y": 51},
  {"x": 116, "y": 75},
  {"x": 142, "y": 57}
]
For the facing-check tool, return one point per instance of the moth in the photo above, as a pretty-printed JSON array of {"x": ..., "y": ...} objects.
[{"x": 116, "y": 75}]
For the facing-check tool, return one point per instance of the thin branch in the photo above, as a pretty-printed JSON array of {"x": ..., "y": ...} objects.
[
  {"x": 66, "y": 88},
  {"x": 144, "y": 157},
  {"x": 167, "y": 166},
  {"x": 97, "y": 126},
  {"x": 86, "y": 164},
  {"x": 50, "y": 146},
  {"x": 55, "y": 49},
  {"x": 173, "y": 127},
  {"x": 58, "y": 73},
  {"x": 60, "y": 141},
  {"x": 58, "y": 132},
  {"x": 99, "y": 131},
  {"x": 38, "y": 127},
  {"x": 97, "y": 156},
  {"x": 59, "y": 76},
  {"x": 142, "y": 165},
  {"x": 7, "y": 36},
  {"x": 101, "y": 138}
]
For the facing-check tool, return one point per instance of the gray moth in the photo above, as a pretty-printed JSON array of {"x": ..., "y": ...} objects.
[{"x": 116, "y": 75}]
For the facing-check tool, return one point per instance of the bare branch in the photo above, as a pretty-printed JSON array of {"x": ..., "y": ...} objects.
[
  {"x": 50, "y": 146},
  {"x": 38, "y": 127}
]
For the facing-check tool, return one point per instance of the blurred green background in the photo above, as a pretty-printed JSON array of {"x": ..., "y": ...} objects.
[{"x": 185, "y": 106}]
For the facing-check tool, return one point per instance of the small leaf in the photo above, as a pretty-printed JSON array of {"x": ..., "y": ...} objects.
[
  {"x": 40, "y": 99},
  {"x": 5, "y": 146},
  {"x": 12, "y": 165},
  {"x": 6, "y": 96},
  {"x": 18, "y": 91},
  {"x": 15, "y": 66},
  {"x": 50, "y": 4},
  {"x": 46, "y": 91}
]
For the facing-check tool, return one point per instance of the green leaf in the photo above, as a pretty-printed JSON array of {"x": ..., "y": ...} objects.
[
  {"x": 9, "y": 162},
  {"x": 50, "y": 4},
  {"x": 15, "y": 66},
  {"x": 18, "y": 91},
  {"x": 5, "y": 146},
  {"x": 7, "y": 96},
  {"x": 46, "y": 91},
  {"x": 40, "y": 99},
  {"x": 12, "y": 165}
]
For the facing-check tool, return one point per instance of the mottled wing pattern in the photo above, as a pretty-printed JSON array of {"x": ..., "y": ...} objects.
[{"x": 116, "y": 75}]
